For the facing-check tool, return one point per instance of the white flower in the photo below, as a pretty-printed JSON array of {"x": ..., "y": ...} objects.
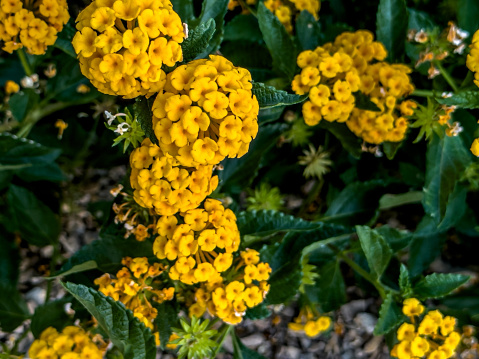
[{"x": 122, "y": 128}]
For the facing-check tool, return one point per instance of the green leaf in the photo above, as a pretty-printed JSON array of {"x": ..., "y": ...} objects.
[
  {"x": 363, "y": 102},
  {"x": 270, "y": 114},
  {"x": 349, "y": 140},
  {"x": 278, "y": 41},
  {"x": 216, "y": 10},
  {"x": 9, "y": 258},
  {"x": 375, "y": 248},
  {"x": 456, "y": 207},
  {"x": 36, "y": 222},
  {"x": 284, "y": 283},
  {"x": 391, "y": 148},
  {"x": 467, "y": 15},
  {"x": 390, "y": 316},
  {"x": 22, "y": 103},
  {"x": 240, "y": 172},
  {"x": 13, "y": 308},
  {"x": 51, "y": 314},
  {"x": 261, "y": 311},
  {"x": 64, "y": 39},
  {"x": 107, "y": 252},
  {"x": 330, "y": 290},
  {"x": 420, "y": 20},
  {"x": 389, "y": 201},
  {"x": 269, "y": 97},
  {"x": 166, "y": 319},
  {"x": 446, "y": 160},
  {"x": 438, "y": 285},
  {"x": 241, "y": 351},
  {"x": 184, "y": 8},
  {"x": 29, "y": 160},
  {"x": 396, "y": 239},
  {"x": 426, "y": 245},
  {"x": 144, "y": 115},
  {"x": 391, "y": 26},
  {"x": 125, "y": 331},
  {"x": 264, "y": 222},
  {"x": 308, "y": 30},
  {"x": 404, "y": 282},
  {"x": 243, "y": 27},
  {"x": 461, "y": 99},
  {"x": 83, "y": 267},
  {"x": 197, "y": 41}
]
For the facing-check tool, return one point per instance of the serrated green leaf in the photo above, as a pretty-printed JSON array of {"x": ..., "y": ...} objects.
[
  {"x": 467, "y": 15},
  {"x": 462, "y": 99},
  {"x": 197, "y": 41},
  {"x": 330, "y": 290},
  {"x": 284, "y": 283},
  {"x": 404, "y": 282},
  {"x": 13, "y": 308},
  {"x": 438, "y": 285},
  {"x": 122, "y": 327},
  {"x": 240, "y": 172},
  {"x": 36, "y": 222},
  {"x": 375, "y": 248},
  {"x": 261, "y": 311},
  {"x": 446, "y": 159},
  {"x": 241, "y": 351},
  {"x": 166, "y": 319},
  {"x": 363, "y": 102},
  {"x": 51, "y": 314},
  {"x": 391, "y": 26},
  {"x": 144, "y": 114},
  {"x": 278, "y": 41},
  {"x": 243, "y": 27},
  {"x": 390, "y": 316},
  {"x": 22, "y": 102},
  {"x": 269, "y": 97},
  {"x": 396, "y": 239},
  {"x": 216, "y": 10},
  {"x": 308, "y": 31}
]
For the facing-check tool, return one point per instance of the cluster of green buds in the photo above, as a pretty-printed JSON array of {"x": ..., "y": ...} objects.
[
  {"x": 127, "y": 127},
  {"x": 195, "y": 339}
]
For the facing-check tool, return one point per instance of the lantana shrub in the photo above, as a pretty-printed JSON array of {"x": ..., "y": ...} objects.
[{"x": 256, "y": 154}]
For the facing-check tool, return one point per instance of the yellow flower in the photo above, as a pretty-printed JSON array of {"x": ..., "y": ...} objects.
[
  {"x": 412, "y": 307},
  {"x": 406, "y": 332},
  {"x": 419, "y": 346},
  {"x": 475, "y": 147},
  {"x": 11, "y": 87}
]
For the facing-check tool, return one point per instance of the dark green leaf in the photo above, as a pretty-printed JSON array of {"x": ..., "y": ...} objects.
[
  {"x": 142, "y": 108},
  {"x": 446, "y": 160},
  {"x": 240, "y": 172},
  {"x": 467, "y": 15},
  {"x": 22, "y": 103},
  {"x": 420, "y": 20},
  {"x": 197, "y": 41},
  {"x": 270, "y": 114},
  {"x": 438, "y": 285},
  {"x": 390, "y": 316},
  {"x": 330, "y": 290},
  {"x": 375, "y": 248},
  {"x": 269, "y": 97},
  {"x": 363, "y": 102},
  {"x": 278, "y": 41},
  {"x": 389, "y": 201},
  {"x": 462, "y": 99},
  {"x": 184, "y": 8},
  {"x": 456, "y": 207},
  {"x": 216, "y": 10},
  {"x": 349, "y": 140},
  {"x": 426, "y": 245},
  {"x": 86, "y": 266},
  {"x": 391, "y": 148},
  {"x": 308, "y": 30},
  {"x": 64, "y": 39},
  {"x": 166, "y": 319},
  {"x": 391, "y": 26},
  {"x": 259, "y": 312},
  {"x": 404, "y": 282},
  {"x": 9, "y": 258},
  {"x": 284, "y": 283},
  {"x": 125, "y": 331},
  {"x": 241, "y": 351},
  {"x": 13, "y": 308},
  {"x": 36, "y": 222},
  {"x": 243, "y": 28},
  {"x": 51, "y": 314},
  {"x": 396, "y": 239}
]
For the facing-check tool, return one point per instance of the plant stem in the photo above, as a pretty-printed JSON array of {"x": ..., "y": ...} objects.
[
  {"x": 446, "y": 76},
  {"x": 223, "y": 335},
  {"x": 423, "y": 93},
  {"x": 40, "y": 111},
  {"x": 247, "y": 7},
  {"x": 25, "y": 64},
  {"x": 360, "y": 271},
  {"x": 53, "y": 262}
]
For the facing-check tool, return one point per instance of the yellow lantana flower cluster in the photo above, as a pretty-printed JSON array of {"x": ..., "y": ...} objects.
[
  {"x": 122, "y": 44},
  {"x": 310, "y": 321},
  {"x": 228, "y": 299},
  {"x": 200, "y": 242},
  {"x": 286, "y": 14},
  {"x": 72, "y": 343},
  {"x": 433, "y": 337},
  {"x": 31, "y": 24},
  {"x": 333, "y": 72},
  {"x": 135, "y": 285},
  {"x": 206, "y": 112},
  {"x": 162, "y": 184}
]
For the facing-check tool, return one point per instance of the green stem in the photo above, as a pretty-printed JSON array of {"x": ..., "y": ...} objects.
[
  {"x": 467, "y": 80},
  {"x": 53, "y": 263},
  {"x": 446, "y": 76},
  {"x": 223, "y": 335},
  {"x": 40, "y": 111},
  {"x": 423, "y": 93},
  {"x": 247, "y": 7},
  {"x": 25, "y": 64},
  {"x": 360, "y": 271}
]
